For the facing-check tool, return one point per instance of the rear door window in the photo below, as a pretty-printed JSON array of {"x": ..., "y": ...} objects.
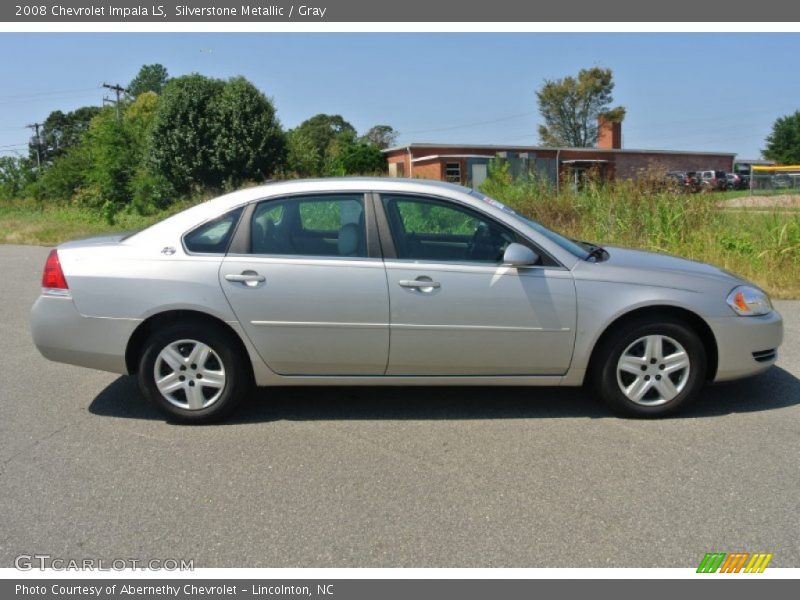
[{"x": 330, "y": 225}]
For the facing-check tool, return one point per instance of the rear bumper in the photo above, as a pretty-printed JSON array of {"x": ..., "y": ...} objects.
[
  {"x": 746, "y": 345},
  {"x": 62, "y": 334}
]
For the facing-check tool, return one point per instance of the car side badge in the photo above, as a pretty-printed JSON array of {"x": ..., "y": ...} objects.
[{"x": 168, "y": 250}]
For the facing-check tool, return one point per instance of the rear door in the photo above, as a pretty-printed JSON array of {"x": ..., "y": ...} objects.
[
  {"x": 455, "y": 310},
  {"x": 305, "y": 279}
]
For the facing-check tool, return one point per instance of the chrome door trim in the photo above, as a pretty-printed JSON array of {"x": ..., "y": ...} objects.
[
  {"x": 477, "y": 327},
  {"x": 319, "y": 324},
  {"x": 308, "y": 260},
  {"x": 333, "y": 324},
  {"x": 470, "y": 267}
]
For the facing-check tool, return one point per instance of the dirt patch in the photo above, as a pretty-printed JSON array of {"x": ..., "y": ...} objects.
[{"x": 784, "y": 201}]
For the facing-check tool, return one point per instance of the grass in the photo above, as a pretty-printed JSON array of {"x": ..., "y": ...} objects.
[
  {"x": 760, "y": 245},
  {"x": 50, "y": 223}
]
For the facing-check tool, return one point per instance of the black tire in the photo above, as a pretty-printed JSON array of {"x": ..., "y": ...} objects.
[
  {"x": 226, "y": 354},
  {"x": 604, "y": 374}
]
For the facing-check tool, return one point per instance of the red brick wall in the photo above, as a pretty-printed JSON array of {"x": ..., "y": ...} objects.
[
  {"x": 401, "y": 158},
  {"x": 429, "y": 170},
  {"x": 631, "y": 165},
  {"x": 624, "y": 165}
]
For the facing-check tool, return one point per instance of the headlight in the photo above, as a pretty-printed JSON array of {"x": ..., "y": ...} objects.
[{"x": 747, "y": 301}]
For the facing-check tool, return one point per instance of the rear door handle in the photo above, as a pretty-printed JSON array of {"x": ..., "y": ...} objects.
[
  {"x": 249, "y": 278},
  {"x": 423, "y": 285}
]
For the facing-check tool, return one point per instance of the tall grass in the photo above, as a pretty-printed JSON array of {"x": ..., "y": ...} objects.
[
  {"x": 762, "y": 246},
  {"x": 49, "y": 222}
]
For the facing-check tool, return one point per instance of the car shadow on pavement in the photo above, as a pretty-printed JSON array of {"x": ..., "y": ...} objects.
[{"x": 774, "y": 389}]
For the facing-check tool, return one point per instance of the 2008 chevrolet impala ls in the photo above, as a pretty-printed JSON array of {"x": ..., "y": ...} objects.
[{"x": 391, "y": 282}]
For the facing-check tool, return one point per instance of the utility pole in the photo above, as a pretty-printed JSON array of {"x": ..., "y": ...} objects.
[
  {"x": 35, "y": 127},
  {"x": 118, "y": 90}
]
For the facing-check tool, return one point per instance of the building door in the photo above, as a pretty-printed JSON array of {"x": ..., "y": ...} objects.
[{"x": 479, "y": 174}]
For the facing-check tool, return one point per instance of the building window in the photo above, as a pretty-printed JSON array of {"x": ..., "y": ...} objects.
[
  {"x": 452, "y": 172},
  {"x": 401, "y": 169}
]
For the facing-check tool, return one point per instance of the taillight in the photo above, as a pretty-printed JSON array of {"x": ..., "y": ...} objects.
[{"x": 53, "y": 277}]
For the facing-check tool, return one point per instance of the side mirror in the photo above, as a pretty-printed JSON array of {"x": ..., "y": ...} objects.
[{"x": 517, "y": 255}]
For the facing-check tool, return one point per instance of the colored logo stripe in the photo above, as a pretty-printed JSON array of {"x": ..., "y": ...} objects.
[
  {"x": 734, "y": 563},
  {"x": 758, "y": 563},
  {"x": 711, "y": 562}
]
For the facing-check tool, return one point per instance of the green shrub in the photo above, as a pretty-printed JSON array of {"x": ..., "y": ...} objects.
[{"x": 151, "y": 193}]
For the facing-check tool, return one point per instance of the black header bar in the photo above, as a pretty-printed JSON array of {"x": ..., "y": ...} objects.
[{"x": 713, "y": 12}]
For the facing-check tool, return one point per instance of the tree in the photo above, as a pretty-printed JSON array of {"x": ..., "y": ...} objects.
[
  {"x": 381, "y": 136},
  {"x": 61, "y": 131},
  {"x": 150, "y": 78},
  {"x": 571, "y": 106},
  {"x": 115, "y": 156},
  {"x": 314, "y": 144},
  {"x": 213, "y": 132},
  {"x": 181, "y": 139},
  {"x": 16, "y": 173},
  {"x": 248, "y": 142},
  {"x": 783, "y": 143},
  {"x": 360, "y": 159}
]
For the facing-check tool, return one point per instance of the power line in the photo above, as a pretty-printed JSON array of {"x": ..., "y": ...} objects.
[
  {"x": 118, "y": 90},
  {"x": 52, "y": 93},
  {"x": 474, "y": 124}
]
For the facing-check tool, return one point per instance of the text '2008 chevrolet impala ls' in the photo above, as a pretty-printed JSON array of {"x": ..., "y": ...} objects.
[{"x": 391, "y": 282}]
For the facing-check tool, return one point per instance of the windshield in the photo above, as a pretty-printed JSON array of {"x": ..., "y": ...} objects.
[{"x": 565, "y": 243}]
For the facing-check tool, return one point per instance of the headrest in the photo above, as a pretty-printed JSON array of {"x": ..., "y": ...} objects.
[{"x": 349, "y": 237}]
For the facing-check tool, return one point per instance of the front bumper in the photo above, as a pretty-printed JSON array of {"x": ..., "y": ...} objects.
[
  {"x": 741, "y": 340},
  {"x": 62, "y": 334}
]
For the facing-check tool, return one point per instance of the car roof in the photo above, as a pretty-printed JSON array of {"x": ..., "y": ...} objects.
[
  {"x": 215, "y": 207},
  {"x": 330, "y": 184}
]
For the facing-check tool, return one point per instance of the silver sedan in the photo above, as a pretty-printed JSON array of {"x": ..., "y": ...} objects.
[{"x": 391, "y": 282}]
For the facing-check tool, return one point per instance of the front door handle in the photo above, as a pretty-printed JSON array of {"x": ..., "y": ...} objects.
[
  {"x": 249, "y": 278},
  {"x": 422, "y": 284}
]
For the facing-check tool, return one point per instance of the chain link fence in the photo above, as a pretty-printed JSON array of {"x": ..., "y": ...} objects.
[{"x": 775, "y": 179}]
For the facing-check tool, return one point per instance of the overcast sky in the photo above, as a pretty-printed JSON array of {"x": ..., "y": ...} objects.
[{"x": 714, "y": 92}]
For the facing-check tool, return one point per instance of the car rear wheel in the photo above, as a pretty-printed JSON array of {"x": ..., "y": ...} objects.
[
  {"x": 193, "y": 372},
  {"x": 650, "y": 369}
]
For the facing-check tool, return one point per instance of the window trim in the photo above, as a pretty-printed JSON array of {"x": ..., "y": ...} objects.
[
  {"x": 240, "y": 246},
  {"x": 390, "y": 251}
]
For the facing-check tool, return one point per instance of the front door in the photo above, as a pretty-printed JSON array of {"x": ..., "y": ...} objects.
[
  {"x": 455, "y": 310},
  {"x": 307, "y": 293}
]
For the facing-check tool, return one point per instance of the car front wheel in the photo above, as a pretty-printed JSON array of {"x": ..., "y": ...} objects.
[
  {"x": 193, "y": 372},
  {"x": 651, "y": 369}
]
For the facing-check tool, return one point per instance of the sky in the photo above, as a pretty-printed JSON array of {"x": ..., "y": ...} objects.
[{"x": 701, "y": 91}]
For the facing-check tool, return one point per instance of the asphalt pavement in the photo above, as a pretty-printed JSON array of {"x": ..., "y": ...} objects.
[{"x": 385, "y": 477}]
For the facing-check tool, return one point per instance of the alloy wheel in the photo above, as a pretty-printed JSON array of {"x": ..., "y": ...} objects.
[
  {"x": 189, "y": 374},
  {"x": 653, "y": 370}
]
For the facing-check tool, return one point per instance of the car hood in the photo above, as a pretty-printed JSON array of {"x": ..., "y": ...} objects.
[{"x": 652, "y": 268}]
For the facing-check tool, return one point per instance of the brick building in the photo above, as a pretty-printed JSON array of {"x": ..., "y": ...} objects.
[{"x": 468, "y": 164}]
